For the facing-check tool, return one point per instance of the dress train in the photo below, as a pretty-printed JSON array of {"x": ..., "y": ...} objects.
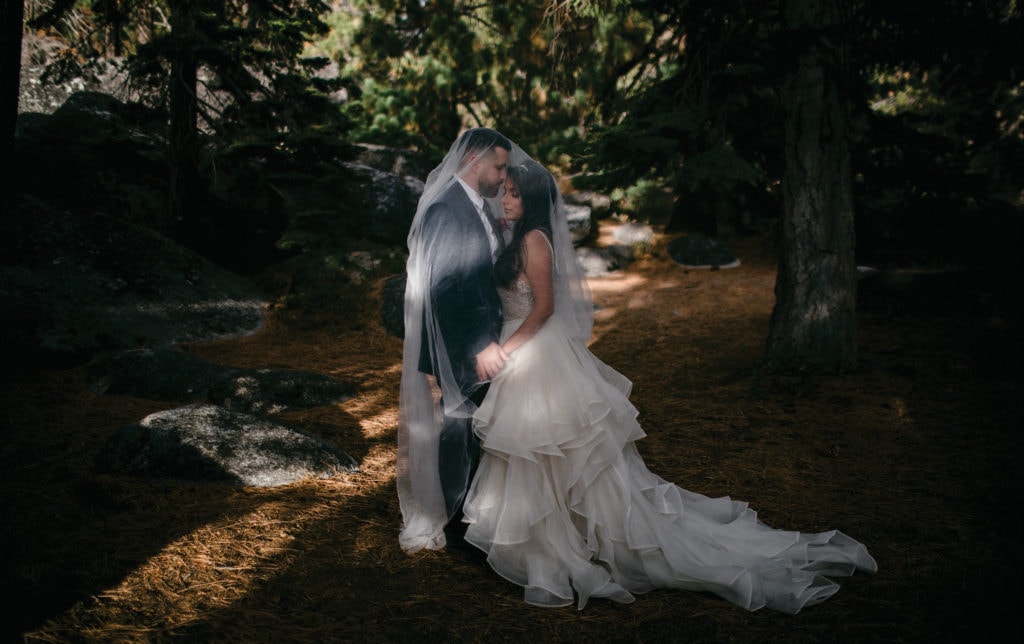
[{"x": 564, "y": 506}]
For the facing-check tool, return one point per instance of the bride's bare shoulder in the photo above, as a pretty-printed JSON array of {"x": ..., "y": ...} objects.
[{"x": 537, "y": 239}]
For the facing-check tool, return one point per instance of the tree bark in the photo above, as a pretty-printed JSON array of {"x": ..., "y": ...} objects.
[
  {"x": 813, "y": 324},
  {"x": 185, "y": 181},
  {"x": 11, "y": 18}
]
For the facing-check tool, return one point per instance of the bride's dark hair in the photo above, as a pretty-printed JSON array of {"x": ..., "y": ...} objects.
[{"x": 537, "y": 189}]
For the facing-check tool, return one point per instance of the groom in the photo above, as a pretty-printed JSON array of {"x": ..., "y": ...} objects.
[{"x": 466, "y": 308}]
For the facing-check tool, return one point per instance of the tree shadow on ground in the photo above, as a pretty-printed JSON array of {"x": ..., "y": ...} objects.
[{"x": 916, "y": 454}]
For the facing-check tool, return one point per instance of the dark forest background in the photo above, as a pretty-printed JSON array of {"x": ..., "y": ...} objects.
[{"x": 854, "y": 132}]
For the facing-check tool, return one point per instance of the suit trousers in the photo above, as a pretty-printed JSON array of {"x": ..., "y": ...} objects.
[{"x": 458, "y": 457}]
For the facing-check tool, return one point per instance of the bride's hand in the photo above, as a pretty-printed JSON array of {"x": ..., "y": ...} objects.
[{"x": 490, "y": 361}]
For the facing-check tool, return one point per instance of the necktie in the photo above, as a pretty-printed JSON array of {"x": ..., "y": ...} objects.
[{"x": 495, "y": 229}]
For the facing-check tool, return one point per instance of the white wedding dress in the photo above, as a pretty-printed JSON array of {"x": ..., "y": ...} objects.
[{"x": 563, "y": 504}]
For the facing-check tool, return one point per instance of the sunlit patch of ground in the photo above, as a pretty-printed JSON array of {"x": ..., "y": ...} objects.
[{"x": 916, "y": 454}]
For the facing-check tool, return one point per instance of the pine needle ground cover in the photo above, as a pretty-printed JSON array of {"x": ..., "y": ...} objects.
[{"x": 917, "y": 455}]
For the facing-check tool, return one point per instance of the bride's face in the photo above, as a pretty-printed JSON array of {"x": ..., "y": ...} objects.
[{"x": 512, "y": 201}]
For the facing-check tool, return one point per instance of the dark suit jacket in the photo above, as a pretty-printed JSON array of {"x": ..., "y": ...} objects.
[{"x": 463, "y": 294}]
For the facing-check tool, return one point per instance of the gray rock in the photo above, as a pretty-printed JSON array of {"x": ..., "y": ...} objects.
[
  {"x": 580, "y": 223},
  {"x": 599, "y": 204},
  {"x": 697, "y": 250},
  {"x": 272, "y": 391},
  {"x": 602, "y": 261},
  {"x": 395, "y": 199},
  {"x": 397, "y": 161},
  {"x": 45, "y": 95},
  {"x": 633, "y": 233},
  {"x": 75, "y": 285},
  {"x": 172, "y": 375},
  {"x": 210, "y": 443}
]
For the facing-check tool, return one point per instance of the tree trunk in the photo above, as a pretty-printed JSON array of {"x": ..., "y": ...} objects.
[
  {"x": 185, "y": 184},
  {"x": 813, "y": 324},
  {"x": 11, "y": 17}
]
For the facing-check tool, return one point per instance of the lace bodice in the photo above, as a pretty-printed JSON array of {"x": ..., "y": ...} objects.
[{"x": 516, "y": 300}]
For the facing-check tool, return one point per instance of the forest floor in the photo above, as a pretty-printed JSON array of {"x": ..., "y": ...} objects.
[{"x": 916, "y": 454}]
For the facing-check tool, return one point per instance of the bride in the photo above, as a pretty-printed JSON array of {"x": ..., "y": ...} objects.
[{"x": 562, "y": 503}]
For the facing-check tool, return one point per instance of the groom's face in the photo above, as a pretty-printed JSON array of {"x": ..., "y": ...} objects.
[{"x": 491, "y": 170}]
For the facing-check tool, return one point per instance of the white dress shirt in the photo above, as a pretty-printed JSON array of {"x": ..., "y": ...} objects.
[{"x": 478, "y": 202}]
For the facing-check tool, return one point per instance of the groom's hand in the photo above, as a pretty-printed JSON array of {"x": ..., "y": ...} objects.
[{"x": 490, "y": 361}]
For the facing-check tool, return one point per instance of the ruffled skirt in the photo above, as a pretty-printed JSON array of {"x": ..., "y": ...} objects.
[{"x": 564, "y": 506}]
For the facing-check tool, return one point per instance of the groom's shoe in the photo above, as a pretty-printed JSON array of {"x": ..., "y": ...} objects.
[
  {"x": 455, "y": 540},
  {"x": 455, "y": 529},
  {"x": 462, "y": 549}
]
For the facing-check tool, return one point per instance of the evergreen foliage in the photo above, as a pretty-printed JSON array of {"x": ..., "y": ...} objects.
[
  {"x": 672, "y": 106},
  {"x": 422, "y": 71},
  {"x": 706, "y": 117},
  {"x": 940, "y": 152},
  {"x": 266, "y": 119}
]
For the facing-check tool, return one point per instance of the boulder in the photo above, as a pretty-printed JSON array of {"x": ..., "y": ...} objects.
[
  {"x": 394, "y": 204},
  {"x": 172, "y": 375},
  {"x": 698, "y": 250},
  {"x": 73, "y": 285},
  {"x": 604, "y": 260},
  {"x": 580, "y": 222},
  {"x": 634, "y": 233},
  {"x": 209, "y": 443}
]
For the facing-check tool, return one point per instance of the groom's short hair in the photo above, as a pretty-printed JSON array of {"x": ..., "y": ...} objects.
[{"x": 481, "y": 139}]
